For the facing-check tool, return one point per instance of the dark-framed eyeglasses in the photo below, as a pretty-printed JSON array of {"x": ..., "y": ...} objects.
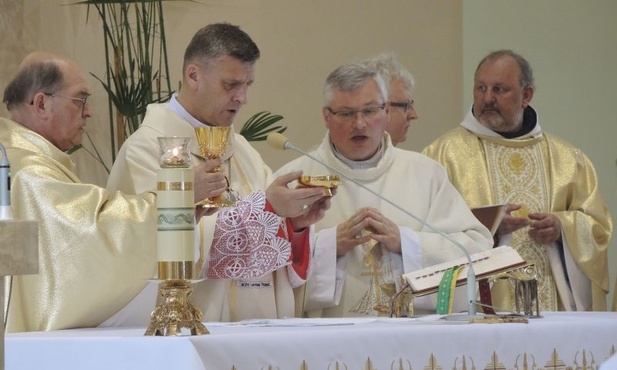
[
  {"x": 83, "y": 100},
  {"x": 349, "y": 115},
  {"x": 406, "y": 106}
]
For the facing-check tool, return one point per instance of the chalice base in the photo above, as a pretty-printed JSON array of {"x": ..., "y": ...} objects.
[
  {"x": 175, "y": 312},
  {"x": 227, "y": 199}
]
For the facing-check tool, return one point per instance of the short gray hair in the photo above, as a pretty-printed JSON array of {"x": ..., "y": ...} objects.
[
  {"x": 41, "y": 76},
  {"x": 390, "y": 68},
  {"x": 349, "y": 77},
  {"x": 526, "y": 77}
]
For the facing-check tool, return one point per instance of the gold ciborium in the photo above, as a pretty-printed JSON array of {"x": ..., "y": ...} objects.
[
  {"x": 329, "y": 182},
  {"x": 212, "y": 141}
]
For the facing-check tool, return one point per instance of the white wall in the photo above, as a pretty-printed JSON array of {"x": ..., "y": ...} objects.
[{"x": 572, "y": 48}]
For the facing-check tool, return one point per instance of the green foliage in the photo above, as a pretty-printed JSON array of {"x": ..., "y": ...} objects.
[
  {"x": 137, "y": 71},
  {"x": 260, "y": 125}
]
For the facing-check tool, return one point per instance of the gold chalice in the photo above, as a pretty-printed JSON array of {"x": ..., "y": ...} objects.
[
  {"x": 329, "y": 182},
  {"x": 212, "y": 141}
]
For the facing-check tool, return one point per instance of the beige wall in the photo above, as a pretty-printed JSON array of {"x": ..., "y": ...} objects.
[
  {"x": 301, "y": 42},
  {"x": 572, "y": 47}
]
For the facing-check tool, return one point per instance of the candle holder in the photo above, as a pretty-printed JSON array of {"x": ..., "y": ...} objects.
[{"x": 175, "y": 241}]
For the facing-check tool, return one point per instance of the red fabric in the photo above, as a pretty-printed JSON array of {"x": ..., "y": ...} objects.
[{"x": 300, "y": 245}]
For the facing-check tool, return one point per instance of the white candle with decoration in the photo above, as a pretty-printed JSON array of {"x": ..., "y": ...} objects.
[{"x": 176, "y": 210}]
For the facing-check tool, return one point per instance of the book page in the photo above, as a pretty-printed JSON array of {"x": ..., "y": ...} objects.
[{"x": 493, "y": 261}]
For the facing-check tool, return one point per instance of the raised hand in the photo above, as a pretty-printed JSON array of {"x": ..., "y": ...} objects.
[
  {"x": 288, "y": 202},
  {"x": 208, "y": 184},
  {"x": 509, "y": 223}
]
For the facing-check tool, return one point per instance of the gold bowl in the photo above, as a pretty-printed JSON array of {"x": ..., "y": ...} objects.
[{"x": 327, "y": 181}]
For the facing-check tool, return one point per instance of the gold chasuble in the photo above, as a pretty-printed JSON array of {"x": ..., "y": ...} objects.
[
  {"x": 541, "y": 173},
  {"x": 519, "y": 176},
  {"x": 97, "y": 248}
]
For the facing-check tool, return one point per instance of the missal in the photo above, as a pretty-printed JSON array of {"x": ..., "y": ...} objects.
[
  {"x": 487, "y": 263},
  {"x": 490, "y": 216}
]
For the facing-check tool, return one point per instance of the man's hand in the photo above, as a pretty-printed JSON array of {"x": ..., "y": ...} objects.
[
  {"x": 545, "y": 228},
  {"x": 384, "y": 230},
  {"x": 208, "y": 185},
  {"x": 292, "y": 203},
  {"x": 314, "y": 213},
  {"x": 367, "y": 223},
  {"x": 509, "y": 223},
  {"x": 352, "y": 232}
]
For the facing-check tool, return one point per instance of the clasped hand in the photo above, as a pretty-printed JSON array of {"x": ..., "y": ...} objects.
[{"x": 366, "y": 224}]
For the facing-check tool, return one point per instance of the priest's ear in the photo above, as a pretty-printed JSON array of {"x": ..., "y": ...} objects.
[
  {"x": 39, "y": 101},
  {"x": 527, "y": 95}
]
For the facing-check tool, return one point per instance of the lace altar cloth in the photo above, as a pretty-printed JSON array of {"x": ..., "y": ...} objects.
[{"x": 246, "y": 241}]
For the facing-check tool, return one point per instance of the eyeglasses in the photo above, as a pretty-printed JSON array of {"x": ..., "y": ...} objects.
[
  {"x": 406, "y": 105},
  {"x": 350, "y": 115},
  {"x": 83, "y": 100}
]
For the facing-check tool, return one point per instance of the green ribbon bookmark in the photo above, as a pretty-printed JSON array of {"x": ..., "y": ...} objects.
[{"x": 445, "y": 293}]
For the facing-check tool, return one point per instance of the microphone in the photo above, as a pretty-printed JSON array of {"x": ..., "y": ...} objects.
[
  {"x": 280, "y": 142},
  {"x": 5, "y": 186}
]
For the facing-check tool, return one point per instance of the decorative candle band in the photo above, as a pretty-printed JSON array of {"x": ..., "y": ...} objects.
[
  {"x": 175, "y": 270},
  {"x": 174, "y": 185}
]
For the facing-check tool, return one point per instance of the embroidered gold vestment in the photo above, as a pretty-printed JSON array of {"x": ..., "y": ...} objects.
[{"x": 543, "y": 174}]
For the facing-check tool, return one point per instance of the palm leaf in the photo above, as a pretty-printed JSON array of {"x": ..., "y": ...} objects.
[{"x": 260, "y": 125}]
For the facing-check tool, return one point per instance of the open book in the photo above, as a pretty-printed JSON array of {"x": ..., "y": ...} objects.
[
  {"x": 490, "y": 216},
  {"x": 493, "y": 261}
]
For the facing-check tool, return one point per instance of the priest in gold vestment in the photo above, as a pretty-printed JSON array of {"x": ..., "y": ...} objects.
[
  {"x": 557, "y": 217},
  {"x": 96, "y": 248}
]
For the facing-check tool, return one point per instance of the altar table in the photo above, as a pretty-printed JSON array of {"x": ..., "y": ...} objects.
[{"x": 558, "y": 340}]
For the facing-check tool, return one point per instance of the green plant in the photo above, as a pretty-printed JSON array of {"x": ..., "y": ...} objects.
[
  {"x": 260, "y": 125},
  {"x": 137, "y": 70}
]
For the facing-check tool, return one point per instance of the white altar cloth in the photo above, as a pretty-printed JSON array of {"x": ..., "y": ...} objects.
[{"x": 558, "y": 340}]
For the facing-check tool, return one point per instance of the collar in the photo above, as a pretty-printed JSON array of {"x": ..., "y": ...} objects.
[
  {"x": 354, "y": 165},
  {"x": 531, "y": 126},
  {"x": 174, "y": 105}
]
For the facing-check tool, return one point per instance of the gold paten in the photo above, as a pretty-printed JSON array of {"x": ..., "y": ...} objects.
[
  {"x": 176, "y": 312},
  {"x": 329, "y": 182}
]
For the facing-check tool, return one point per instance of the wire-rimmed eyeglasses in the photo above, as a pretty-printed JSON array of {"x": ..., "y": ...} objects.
[
  {"x": 83, "y": 100},
  {"x": 405, "y": 105},
  {"x": 349, "y": 115}
]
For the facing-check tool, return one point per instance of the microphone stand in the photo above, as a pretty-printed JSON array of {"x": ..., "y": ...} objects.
[
  {"x": 5, "y": 214},
  {"x": 279, "y": 141},
  {"x": 5, "y": 186}
]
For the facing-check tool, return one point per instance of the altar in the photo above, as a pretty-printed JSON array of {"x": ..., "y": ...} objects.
[{"x": 558, "y": 340}]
